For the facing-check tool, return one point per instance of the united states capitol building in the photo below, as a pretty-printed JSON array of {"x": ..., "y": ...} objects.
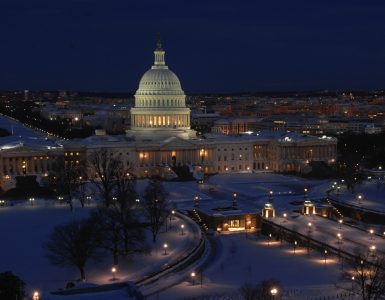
[{"x": 160, "y": 139}]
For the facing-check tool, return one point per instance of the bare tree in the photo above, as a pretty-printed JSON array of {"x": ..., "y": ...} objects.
[
  {"x": 105, "y": 167},
  {"x": 121, "y": 232},
  {"x": 73, "y": 244},
  {"x": 367, "y": 275},
  {"x": 66, "y": 179},
  {"x": 155, "y": 206}
]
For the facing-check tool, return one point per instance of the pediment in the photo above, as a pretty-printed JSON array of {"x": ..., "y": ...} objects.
[{"x": 177, "y": 143}]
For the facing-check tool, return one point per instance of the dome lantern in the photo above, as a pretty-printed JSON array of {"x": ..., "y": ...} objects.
[{"x": 159, "y": 54}]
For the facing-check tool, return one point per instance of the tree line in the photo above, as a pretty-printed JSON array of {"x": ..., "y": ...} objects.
[{"x": 118, "y": 225}]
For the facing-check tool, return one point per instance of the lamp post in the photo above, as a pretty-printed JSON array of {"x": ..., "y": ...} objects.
[
  {"x": 325, "y": 253},
  {"x": 165, "y": 248},
  {"x": 181, "y": 229},
  {"x": 339, "y": 236},
  {"x": 270, "y": 196},
  {"x": 309, "y": 226},
  {"x": 305, "y": 190},
  {"x": 359, "y": 199},
  {"x": 273, "y": 292},
  {"x": 284, "y": 217},
  {"x": 172, "y": 216},
  {"x": 371, "y": 231},
  {"x": 113, "y": 270},
  {"x": 234, "y": 199},
  {"x": 340, "y": 221},
  {"x": 372, "y": 249},
  {"x": 193, "y": 277},
  {"x": 36, "y": 295},
  {"x": 294, "y": 246},
  {"x": 268, "y": 241},
  {"x": 196, "y": 201}
]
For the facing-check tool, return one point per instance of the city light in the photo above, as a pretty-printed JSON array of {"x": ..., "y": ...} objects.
[{"x": 113, "y": 270}]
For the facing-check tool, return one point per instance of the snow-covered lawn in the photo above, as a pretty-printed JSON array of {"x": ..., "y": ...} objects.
[
  {"x": 24, "y": 228},
  {"x": 372, "y": 195},
  {"x": 242, "y": 260}
]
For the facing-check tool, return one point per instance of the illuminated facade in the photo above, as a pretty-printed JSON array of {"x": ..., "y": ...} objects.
[{"x": 160, "y": 101}]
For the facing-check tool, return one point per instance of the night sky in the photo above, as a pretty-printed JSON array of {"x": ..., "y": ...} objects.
[{"x": 212, "y": 45}]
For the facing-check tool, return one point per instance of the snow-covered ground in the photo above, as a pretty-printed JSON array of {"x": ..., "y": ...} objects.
[
  {"x": 246, "y": 259},
  {"x": 372, "y": 195},
  {"x": 24, "y": 228}
]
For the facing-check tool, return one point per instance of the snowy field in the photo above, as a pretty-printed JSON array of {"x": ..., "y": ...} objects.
[
  {"x": 251, "y": 260},
  {"x": 25, "y": 228},
  {"x": 372, "y": 195}
]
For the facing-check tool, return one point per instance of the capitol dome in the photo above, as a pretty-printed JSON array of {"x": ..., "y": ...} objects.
[
  {"x": 160, "y": 103},
  {"x": 159, "y": 81}
]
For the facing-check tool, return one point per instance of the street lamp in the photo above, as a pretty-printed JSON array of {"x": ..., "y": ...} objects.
[
  {"x": 325, "y": 253},
  {"x": 268, "y": 243},
  {"x": 31, "y": 200},
  {"x": 295, "y": 245},
  {"x": 372, "y": 249},
  {"x": 193, "y": 277},
  {"x": 305, "y": 190},
  {"x": 340, "y": 221},
  {"x": 309, "y": 226},
  {"x": 113, "y": 270},
  {"x": 270, "y": 196},
  {"x": 181, "y": 228},
  {"x": 234, "y": 199},
  {"x": 359, "y": 199},
  {"x": 196, "y": 201},
  {"x": 165, "y": 248},
  {"x": 339, "y": 236},
  {"x": 36, "y": 295},
  {"x": 371, "y": 231},
  {"x": 273, "y": 292}
]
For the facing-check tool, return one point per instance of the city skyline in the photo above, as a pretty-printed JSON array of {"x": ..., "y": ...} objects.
[{"x": 213, "y": 47}]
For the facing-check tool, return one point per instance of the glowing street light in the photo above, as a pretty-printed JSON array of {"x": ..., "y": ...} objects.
[
  {"x": 359, "y": 199},
  {"x": 31, "y": 200},
  {"x": 284, "y": 217},
  {"x": 295, "y": 246},
  {"x": 113, "y": 270},
  {"x": 36, "y": 295},
  {"x": 270, "y": 196},
  {"x": 273, "y": 292},
  {"x": 181, "y": 228},
  {"x": 340, "y": 221},
  {"x": 339, "y": 236},
  {"x": 325, "y": 253},
  {"x": 193, "y": 277},
  {"x": 234, "y": 199},
  {"x": 165, "y": 248},
  {"x": 196, "y": 201},
  {"x": 309, "y": 226},
  {"x": 268, "y": 241},
  {"x": 371, "y": 231}
]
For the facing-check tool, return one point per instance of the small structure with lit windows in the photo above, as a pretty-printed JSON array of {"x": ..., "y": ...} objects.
[
  {"x": 229, "y": 219},
  {"x": 308, "y": 208},
  {"x": 268, "y": 211}
]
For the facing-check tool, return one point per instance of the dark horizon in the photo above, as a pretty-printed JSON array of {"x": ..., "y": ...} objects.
[{"x": 216, "y": 47}]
